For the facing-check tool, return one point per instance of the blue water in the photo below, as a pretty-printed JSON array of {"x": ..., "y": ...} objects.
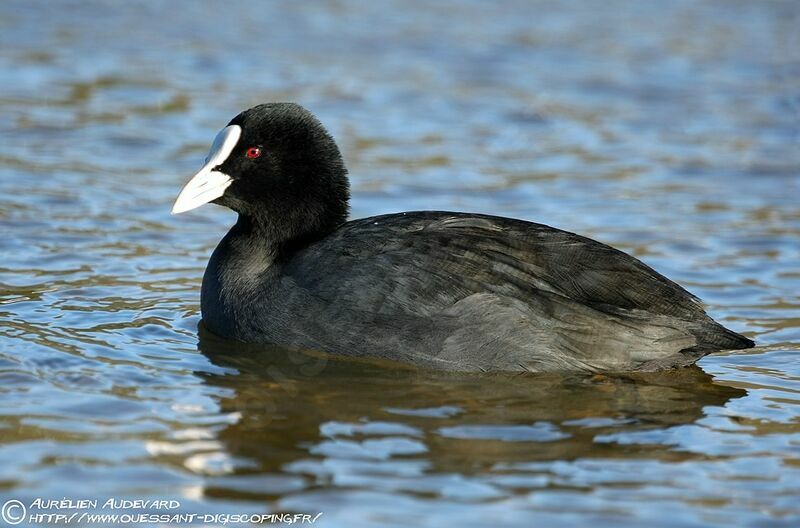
[{"x": 669, "y": 130}]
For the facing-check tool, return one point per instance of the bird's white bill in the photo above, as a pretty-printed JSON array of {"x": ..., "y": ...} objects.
[{"x": 209, "y": 184}]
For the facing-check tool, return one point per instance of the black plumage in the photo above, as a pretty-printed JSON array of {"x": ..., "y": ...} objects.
[{"x": 454, "y": 291}]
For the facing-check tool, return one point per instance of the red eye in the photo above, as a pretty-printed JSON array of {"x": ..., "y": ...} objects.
[{"x": 253, "y": 152}]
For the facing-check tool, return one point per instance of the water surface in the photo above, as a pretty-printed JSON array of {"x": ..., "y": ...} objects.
[{"x": 668, "y": 130}]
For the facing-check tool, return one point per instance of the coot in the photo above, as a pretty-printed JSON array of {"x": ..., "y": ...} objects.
[{"x": 453, "y": 291}]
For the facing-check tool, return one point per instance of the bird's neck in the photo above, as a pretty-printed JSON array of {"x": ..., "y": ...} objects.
[
  {"x": 253, "y": 247},
  {"x": 278, "y": 237},
  {"x": 235, "y": 272},
  {"x": 250, "y": 245}
]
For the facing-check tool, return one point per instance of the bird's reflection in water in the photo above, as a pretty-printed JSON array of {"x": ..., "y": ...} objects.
[{"x": 301, "y": 406}]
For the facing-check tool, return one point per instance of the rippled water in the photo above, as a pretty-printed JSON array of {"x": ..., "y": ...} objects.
[{"x": 670, "y": 130}]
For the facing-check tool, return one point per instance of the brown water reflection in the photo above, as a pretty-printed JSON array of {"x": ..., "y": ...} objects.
[{"x": 301, "y": 410}]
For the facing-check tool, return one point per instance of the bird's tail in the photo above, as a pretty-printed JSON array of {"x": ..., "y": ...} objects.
[{"x": 713, "y": 337}]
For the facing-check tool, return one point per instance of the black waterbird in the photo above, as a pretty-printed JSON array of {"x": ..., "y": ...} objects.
[{"x": 452, "y": 291}]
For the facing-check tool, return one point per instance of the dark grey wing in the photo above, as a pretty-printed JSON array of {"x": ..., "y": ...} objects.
[
  {"x": 421, "y": 264},
  {"x": 425, "y": 261}
]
